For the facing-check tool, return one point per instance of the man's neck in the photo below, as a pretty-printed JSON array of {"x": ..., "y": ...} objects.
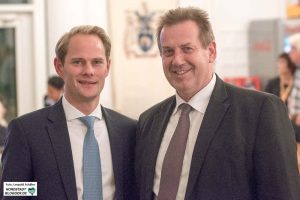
[{"x": 86, "y": 107}]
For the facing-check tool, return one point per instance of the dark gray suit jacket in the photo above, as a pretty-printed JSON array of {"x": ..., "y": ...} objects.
[
  {"x": 245, "y": 148},
  {"x": 38, "y": 149}
]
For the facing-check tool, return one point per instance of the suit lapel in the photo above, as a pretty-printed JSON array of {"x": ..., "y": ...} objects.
[
  {"x": 116, "y": 146},
  {"x": 214, "y": 114},
  {"x": 154, "y": 138},
  {"x": 58, "y": 133}
]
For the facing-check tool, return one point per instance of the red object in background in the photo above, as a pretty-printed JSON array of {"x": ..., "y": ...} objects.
[
  {"x": 263, "y": 45},
  {"x": 249, "y": 82}
]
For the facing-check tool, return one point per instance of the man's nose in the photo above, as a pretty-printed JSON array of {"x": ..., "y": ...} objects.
[
  {"x": 178, "y": 58},
  {"x": 88, "y": 68}
]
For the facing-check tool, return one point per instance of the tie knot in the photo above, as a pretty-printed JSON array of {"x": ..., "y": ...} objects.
[
  {"x": 88, "y": 121},
  {"x": 185, "y": 109}
]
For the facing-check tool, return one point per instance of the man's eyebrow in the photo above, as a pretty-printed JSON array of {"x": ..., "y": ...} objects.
[
  {"x": 186, "y": 44},
  {"x": 98, "y": 58},
  {"x": 182, "y": 45}
]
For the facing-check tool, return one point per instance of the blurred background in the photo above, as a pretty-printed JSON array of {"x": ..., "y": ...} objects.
[{"x": 249, "y": 34}]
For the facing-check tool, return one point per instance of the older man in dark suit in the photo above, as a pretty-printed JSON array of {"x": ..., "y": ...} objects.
[
  {"x": 211, "y": 140},
  {"x": 75, "y": 149}
]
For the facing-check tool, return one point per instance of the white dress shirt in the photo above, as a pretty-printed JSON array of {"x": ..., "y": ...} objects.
[
  {"x": 77, "y": 131},
  {"x": 199, "y": 103}
]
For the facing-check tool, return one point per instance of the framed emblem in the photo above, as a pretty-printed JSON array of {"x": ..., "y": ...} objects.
[{"x": 140, "y": 38}]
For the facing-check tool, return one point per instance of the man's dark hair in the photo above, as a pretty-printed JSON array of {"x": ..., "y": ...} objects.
[{"x": 56, "y": 82}]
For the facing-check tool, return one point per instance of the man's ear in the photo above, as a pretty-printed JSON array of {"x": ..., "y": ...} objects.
[
  {"x": 108, "y": 66},
  {"x": 212, "y": 51},
  {"x": 58, "y": 67}
]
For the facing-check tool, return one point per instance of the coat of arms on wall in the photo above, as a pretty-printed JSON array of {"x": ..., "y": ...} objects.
[{"x": 140, "y": 33}]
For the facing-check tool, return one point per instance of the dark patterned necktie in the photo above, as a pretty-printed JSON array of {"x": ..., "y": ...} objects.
[{"x": 172, "y": 164}]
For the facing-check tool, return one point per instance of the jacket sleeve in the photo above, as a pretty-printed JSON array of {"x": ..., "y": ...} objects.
[
  {"x": 16, "y": 161},
  {"x": 275, "y": 160}
]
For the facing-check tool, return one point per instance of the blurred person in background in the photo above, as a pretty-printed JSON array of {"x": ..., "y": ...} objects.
[
  {"x": 281, "y": 85},
  {"x": 294, "y": 98},
  {"x": 55, "y": 89}
]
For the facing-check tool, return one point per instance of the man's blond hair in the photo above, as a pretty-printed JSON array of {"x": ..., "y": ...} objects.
[{"x": 61, "y": 48}]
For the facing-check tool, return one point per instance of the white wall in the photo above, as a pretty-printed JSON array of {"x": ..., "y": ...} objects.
[{"x": 138, "y": 77}]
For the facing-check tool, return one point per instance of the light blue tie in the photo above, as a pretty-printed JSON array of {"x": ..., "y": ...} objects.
[{"x": 92, "y": 175}]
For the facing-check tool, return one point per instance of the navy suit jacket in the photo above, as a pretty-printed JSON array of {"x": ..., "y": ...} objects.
[
  {"x": 38, "y": 149},
  {"x": 245, "y": 149}
]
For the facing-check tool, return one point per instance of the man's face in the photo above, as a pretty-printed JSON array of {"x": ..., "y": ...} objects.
[
  {"x": 295, "y": 55},
  {"x": 187, "y": 65},
  {"x": 84, "y": 70}
]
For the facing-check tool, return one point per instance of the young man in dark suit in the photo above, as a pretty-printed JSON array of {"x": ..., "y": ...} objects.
[
  {"x": 58, "y": 148},
  {"x": 238, "y": 143}
]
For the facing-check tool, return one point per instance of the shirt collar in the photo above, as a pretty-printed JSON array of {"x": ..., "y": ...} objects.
[
  {"x": 73, "y": 113},
  {"x": 200, "y": 100}
]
